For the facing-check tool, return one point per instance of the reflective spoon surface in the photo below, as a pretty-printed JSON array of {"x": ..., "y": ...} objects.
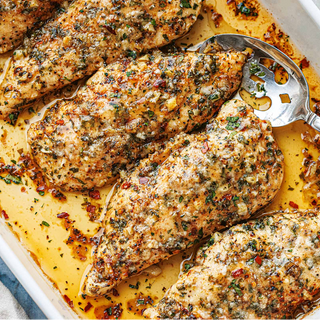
[{"x": 279, "y": 114}]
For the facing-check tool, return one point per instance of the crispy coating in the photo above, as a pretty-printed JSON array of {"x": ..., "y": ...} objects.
[
  {"x": 200, "y": 183},
  {"x": 87, "y": 35},
  {"x": 84, "y": 142},
  {"x": 262, "y": 269},
  {"x": 19, "y": 16}
]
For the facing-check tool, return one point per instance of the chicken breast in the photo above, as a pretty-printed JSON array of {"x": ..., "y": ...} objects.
[
  {"x": 19, "y": 16},
  {"x": 199, "y": 183},
  {"x": 89, "y": 34},
  {"x": 83, "y": 143},
  {"x": 262, "y": 269}
]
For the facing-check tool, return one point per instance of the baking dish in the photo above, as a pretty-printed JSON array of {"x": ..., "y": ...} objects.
[{"x": 300, "y": 19}]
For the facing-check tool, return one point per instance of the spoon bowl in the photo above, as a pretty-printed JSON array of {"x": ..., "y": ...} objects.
[{"x": 281, "y": 113}]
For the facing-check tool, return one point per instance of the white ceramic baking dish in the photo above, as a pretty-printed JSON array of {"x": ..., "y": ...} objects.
[{"x": 298, "y": 18}]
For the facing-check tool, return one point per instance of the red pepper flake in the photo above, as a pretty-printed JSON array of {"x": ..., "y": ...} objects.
[
  {"x": 205, "y": 147},
  {"x": 237, "y": 273},
  {"x": 94, "y": 194},
  {"x": 110, "y": 29},
  {"x": 316, "y": 107},
  {"x": 304, "y": 63},
  {"x": 68, "y": 301},
  {"x": 159, "y": 83},
  {"x": 57, "y": 194},
  {"x": 164, "y": 125},
  {"x": 4, "y": 214},
  {"x": 60, "y": 122},
  {"x": 88, "y": 307},
  {"x": 126, "y": 185},
  {"x": 115, "y": 292},
  {"x": 293, "y": 205},
  {"x": 258, "y": 260},
  {"x": 228, "y": 197},
  {"x": 216, "y": 18},
  {"x": 63, "y": 215},
  {"x": 143, "y": 180},
  {"x": 91, "y": 208}
]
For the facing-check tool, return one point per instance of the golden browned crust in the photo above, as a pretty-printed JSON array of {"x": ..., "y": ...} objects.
[
  {"x": 125, "y": 107},
  {"x": 200, "y": 183},
  {"x": 90, "y": 33},
  {"x": 19, "y": 16},
  {"x": 262, "y": 269}
]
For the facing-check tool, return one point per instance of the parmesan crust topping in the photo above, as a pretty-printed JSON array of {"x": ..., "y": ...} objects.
[
  {"x": 198, "y": 184},
  {"x": 125, "y": 108},
  {"x": 87, "y": 35},
  {"x": 262, "y": 269}
]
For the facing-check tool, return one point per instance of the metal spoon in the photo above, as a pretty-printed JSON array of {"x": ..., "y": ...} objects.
[{"x": 279, "y": 114}]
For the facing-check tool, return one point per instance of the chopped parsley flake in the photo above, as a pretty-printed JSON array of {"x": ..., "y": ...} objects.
[
  {"x": 185, "y": 4},
  {"x": 233, "y": 123}
]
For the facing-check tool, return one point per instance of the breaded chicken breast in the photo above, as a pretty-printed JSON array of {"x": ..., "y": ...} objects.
[
  {"x": 87, "y": 35},
  {"x": 200, "y": 183},
  {"x": 19, "y": 16},
  {"x": 114, "y": 119},
  {"x": 262, "y": 269}
]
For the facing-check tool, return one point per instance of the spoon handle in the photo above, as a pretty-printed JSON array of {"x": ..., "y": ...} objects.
[{"x": 314, "y": 121}]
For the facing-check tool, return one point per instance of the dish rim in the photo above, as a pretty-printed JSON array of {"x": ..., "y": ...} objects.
[
  {"x": 27, "y": 280},
  {"x": 312, "y": 9}
]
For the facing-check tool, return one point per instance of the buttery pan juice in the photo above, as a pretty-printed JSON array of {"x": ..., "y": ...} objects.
[{"x": 60, "y": 229}]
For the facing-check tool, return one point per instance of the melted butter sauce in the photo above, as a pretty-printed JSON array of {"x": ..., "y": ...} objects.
[{"x": 47, "y": 242}]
